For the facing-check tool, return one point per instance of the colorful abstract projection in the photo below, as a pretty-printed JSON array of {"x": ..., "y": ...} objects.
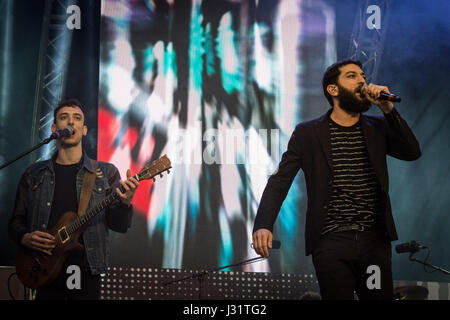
[{"x": 215, "y": 85}]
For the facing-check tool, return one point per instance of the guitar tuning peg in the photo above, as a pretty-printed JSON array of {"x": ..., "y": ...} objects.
[
  {"x": 161, "y": 175},
  {"x": 154, "y": 179},
  {"x": 168, "y": 171}
]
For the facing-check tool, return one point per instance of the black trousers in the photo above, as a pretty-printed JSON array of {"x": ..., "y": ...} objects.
[{"x": 347, "y": 262}]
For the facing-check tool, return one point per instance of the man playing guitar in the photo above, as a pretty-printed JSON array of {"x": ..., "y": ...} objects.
[{"x": 50, "y": 188}]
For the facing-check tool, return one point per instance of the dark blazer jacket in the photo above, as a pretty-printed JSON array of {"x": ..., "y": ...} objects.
[{"x": 309, "y": 149}]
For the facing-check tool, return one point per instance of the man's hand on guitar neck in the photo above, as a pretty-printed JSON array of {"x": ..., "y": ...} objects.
[
  {"x": 40, "y": 241},
  {"x": 130, "y": 186}
]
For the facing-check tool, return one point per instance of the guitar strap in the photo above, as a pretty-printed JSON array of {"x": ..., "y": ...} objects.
[{"x": 86, "y": 188}]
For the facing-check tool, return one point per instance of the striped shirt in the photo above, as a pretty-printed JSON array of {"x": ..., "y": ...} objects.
[{"x": 356, "y": 192}]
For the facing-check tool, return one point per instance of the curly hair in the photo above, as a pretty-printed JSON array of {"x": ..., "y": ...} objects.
[{"x": 67, "y": 103}]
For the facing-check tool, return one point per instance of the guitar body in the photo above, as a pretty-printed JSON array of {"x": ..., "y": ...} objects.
[{"x": 36, "y": 269}]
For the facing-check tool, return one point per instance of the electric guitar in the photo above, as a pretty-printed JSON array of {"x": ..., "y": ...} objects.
[{"x": 35, "y": 269}]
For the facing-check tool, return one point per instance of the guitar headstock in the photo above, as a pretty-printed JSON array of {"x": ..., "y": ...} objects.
[{"x": 156, "y": 167}]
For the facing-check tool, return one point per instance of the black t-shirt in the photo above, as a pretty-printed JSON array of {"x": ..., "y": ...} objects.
[
  {"x": 64, "y": 200},
  {"x": 65, "y": 195},
  {"x": 356, "y": 192}
]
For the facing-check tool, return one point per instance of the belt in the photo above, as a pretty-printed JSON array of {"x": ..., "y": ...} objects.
[{"x": 352, "y": 228}]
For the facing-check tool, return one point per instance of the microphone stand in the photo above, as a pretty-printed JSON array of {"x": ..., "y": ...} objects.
[
  {"x": 412, "y": 258},
  {"x": 200, "y": 275},
  {"x": 27, "y": 152}
]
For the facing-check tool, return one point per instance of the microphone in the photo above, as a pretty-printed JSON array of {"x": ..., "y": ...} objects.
[
  {"x": 68, "y": 131},
  {"x": 411, "y": 247},
  {"x": 383, "y": 95},
  {"x": 276, "y": 244}
]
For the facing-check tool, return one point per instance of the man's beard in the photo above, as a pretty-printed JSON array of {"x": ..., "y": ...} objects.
[
  {"x": 67, "y": 145},
  {"x": 350, "y": 103}
]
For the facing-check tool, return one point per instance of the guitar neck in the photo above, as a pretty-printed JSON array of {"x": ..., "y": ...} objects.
[
  {"x": 91, "y": 213},
  {"x": 148, "y": 172}
]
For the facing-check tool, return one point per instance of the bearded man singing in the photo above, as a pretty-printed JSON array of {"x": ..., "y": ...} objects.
[{"x": 349, "y": 222}]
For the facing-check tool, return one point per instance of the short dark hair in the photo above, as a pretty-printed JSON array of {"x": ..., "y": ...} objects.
[
  {"x": 67, "y": 103},
  {"x": 332, "y": 73}
]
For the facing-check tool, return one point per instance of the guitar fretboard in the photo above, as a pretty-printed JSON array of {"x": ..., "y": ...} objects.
[
  {"x": 157, "y": 167},
  {"x": 91, "y": 213}
]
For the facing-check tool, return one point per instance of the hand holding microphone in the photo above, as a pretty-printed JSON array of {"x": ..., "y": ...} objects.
[
  {"x": 380, "y": 96},
  {"x": 380, "y": 92},
  {"x": 263, "y": 241}
]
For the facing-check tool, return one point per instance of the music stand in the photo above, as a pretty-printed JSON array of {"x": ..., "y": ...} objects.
[{"x": 200, "y": 275}]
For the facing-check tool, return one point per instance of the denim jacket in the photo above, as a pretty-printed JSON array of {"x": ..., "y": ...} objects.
[{"x": 35, "y": 196}]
